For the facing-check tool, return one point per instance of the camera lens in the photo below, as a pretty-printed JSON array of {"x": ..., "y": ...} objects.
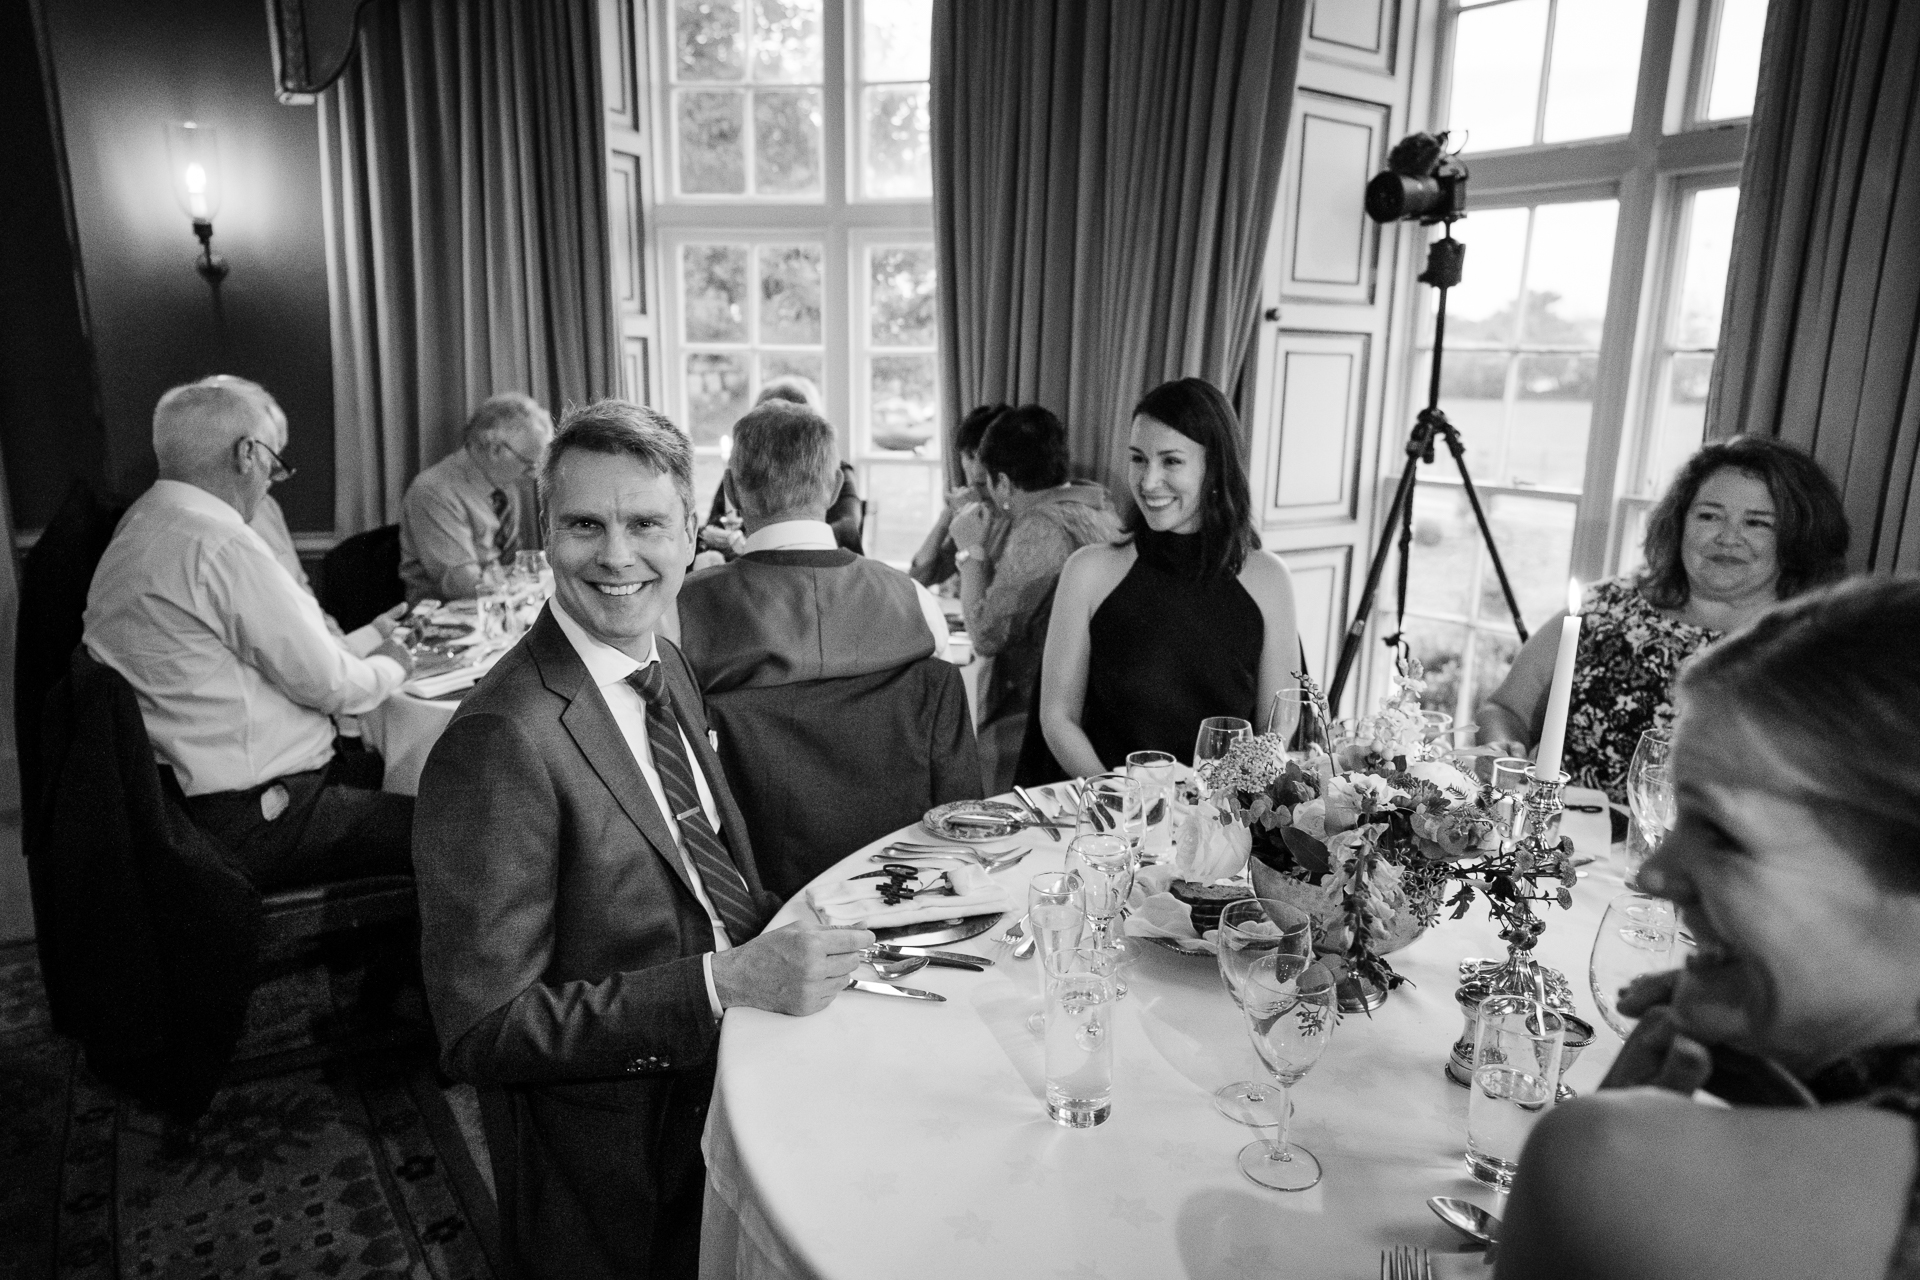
[{"x": 1393, "y": 196}]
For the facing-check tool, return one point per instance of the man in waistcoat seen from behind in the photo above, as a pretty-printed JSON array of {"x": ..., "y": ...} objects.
[{"x": 795, "y": 606}]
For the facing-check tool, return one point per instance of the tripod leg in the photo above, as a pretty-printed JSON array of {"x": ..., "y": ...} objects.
[
  {"x": 1350, "y": 645},
  {"x": 1486, "y": 532}
]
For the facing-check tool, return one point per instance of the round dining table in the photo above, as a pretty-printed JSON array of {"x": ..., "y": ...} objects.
[{"x": 883, "y": 1136}]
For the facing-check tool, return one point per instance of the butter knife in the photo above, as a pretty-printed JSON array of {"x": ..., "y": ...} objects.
[
  {"x": 882, "y": 989},
  {"x": 1034, "y": 809},
  {"x": 958, "y": 959}
]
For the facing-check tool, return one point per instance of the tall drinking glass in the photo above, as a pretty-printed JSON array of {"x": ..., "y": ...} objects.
[
  {"x": 1289, "y": 1006},
  {"x": 1079, "y": 1040},
  {"x": 1435, "y": 725},
  {"x": 1297, "y": 718},
  {"x": 1056, "y": 920},
  {"x": 1217, "y": 733},
  {"x": 1113, "y": 804},
  {"x": 1638, "y": 934},
  {"x": 1249, "y": 933},
  {"x": 1516, "y": 1067},
  {"x": 1154, "y": 771}
]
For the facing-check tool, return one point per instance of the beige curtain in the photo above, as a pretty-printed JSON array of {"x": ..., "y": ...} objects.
[
  {"x": 466, "y": 230},
  {"x": 1104, "y": 179},
  {"x": 1823, "y": 293}
]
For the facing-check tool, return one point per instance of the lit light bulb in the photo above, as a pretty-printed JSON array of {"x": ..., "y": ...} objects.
[{"x": 196, "y": 180}]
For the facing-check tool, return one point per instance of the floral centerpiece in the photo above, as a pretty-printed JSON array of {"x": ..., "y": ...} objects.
[{"x": 1365, "y": 838}]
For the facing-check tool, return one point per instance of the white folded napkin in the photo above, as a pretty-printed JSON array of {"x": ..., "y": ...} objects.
[
  {"x": 856, "y": 904},
  {"x": 442, "y": 683},
  {"x": 1155, "y": 913}
]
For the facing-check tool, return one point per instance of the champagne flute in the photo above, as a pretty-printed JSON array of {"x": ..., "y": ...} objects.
[
  {"x": 1250, "y": 931},
  {"x": 1289, "y": 1010},
  {"x": 1638, "y": 934},
  {"x": 1217, "y": 734}
]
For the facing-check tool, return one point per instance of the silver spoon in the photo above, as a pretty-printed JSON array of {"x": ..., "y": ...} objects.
[
  {"x": 1466, "y": 1217},
  {"x": 891, "y": 969}
]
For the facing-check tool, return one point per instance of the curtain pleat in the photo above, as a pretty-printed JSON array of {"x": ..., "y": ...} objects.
[
  {"x": 1105, "y": 174},
  {"x": 466, "y": 230},
  {"x": 1823, "y": 291}
]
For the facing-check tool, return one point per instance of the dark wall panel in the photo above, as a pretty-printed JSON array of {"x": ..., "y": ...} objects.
[{"x": 123, "y": 69}]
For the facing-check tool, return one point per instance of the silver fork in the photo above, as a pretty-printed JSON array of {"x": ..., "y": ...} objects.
[{"x": 1403, "y": 1262}]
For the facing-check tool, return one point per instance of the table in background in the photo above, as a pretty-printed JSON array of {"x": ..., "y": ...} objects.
[
  {"x": 403, "y": 730},
  {"x": 884, "y": 1134}
]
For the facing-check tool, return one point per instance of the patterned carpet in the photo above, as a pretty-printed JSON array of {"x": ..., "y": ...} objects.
[{"x": 354, "y": 1169}]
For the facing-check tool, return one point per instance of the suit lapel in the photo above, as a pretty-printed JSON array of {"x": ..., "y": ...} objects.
[{"x": 593, "y": 730}]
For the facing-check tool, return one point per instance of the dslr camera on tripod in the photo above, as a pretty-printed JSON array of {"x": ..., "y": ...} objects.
[{"x": 1422, "y": 182}]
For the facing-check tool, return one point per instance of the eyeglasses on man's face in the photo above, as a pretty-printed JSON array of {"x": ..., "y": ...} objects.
[{"x": 279, "y": 470}]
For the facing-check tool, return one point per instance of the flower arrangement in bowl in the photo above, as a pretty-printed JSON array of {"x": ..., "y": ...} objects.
[{"x": 1364, "y": 837}]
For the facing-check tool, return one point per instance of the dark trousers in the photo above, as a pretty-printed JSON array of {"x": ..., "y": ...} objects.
[{"x": 337, "y": 825}]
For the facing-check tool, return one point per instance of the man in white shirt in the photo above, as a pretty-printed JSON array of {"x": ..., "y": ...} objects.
[
  {"x": 237, "y": 675},
  {"x": 589, "y": 904}
]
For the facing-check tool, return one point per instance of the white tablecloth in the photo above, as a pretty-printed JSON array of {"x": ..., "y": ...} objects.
[
  {"x": 882, "y": 1135},
  {"x": 403, "y": 730}
]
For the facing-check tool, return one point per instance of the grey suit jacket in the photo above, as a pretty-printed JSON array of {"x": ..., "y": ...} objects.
[{"x": 561, "y": 944}]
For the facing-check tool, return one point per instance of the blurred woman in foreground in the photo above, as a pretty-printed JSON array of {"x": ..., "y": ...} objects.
[{"x": 1796, "y": 865}]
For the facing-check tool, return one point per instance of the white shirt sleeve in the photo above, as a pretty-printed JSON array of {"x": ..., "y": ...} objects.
[
  {"x": 278, "y": 630},
  {"x": 936, "y": 620}
]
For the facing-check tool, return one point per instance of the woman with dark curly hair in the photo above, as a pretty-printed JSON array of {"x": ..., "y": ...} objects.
[{"x": 1748, "y": 522}]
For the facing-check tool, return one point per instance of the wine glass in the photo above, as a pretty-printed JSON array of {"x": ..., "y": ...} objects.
[
  {"x": 1288, "y": 1003},
  {"x": 1638, "y": 934},
  {"x": 1113, "y": 804},
  {"x": 1217, "y": 734},
  {"x": 1249, "y": 931},
  {"x": 1301, "y": 724},
  {"x": 1650, "y": 794}
]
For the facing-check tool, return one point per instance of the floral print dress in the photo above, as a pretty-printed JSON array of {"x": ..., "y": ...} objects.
[{"x": 1622, "y": 682}]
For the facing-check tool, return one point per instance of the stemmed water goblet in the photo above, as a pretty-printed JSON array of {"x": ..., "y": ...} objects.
[
  {"x": 1289, "y": 1004},
  {"x": 1638, "y": 935},
  {"x": 1301, "y": 724},
  {"x": 1217, "y": 735},
  {"x": 1249, "y": 932}
]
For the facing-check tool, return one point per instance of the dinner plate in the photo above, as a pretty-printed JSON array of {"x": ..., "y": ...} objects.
[
  {"x": 1179, "y": 946},
  {"x": 931, "y": 933},
  {"x": 1010, "y": 816}
]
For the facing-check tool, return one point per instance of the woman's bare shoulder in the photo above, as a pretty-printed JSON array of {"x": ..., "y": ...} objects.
[
  {"x": 1646, "y": 1183},
  {"x": 1096, "y": 568}
]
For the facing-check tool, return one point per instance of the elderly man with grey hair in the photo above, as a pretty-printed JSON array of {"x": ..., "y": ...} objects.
[
  {"x": 470, "y": 513},
  {"x": 236, "y": 673}
]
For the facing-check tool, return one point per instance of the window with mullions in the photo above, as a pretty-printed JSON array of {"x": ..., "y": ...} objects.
[
  {"x": 747, "y": 92},
  {"x": 1574, "y": 411},
  {"x": 896, "y": 158}
]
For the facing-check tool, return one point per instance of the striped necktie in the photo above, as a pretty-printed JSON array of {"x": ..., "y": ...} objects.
[
  {"x": 507, "y": 532},
  {"x": 725, "y": 887}
]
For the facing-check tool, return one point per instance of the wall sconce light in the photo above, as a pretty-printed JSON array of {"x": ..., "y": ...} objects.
[{"x": 193, "y": 154}]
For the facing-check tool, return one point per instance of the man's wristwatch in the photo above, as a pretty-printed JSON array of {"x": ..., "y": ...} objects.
[{"x": 961, "y": 556}]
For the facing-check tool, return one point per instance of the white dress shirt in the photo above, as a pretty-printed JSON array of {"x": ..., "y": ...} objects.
[
  {"x": 236, "y": 673},
  {"x": 817, "y": 535},
  {"x": 270, "y": 522},
  {"x": 609, "y": 669}
]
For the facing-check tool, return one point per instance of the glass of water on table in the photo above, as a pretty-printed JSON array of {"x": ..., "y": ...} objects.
[
  {"x": 1079, "y": 1036},
  {"x": 1056, "y": 920},
  {"x": 1106, "y": 864},
  {"x": 1516, "y": 1067},
  {"x": 1250, "y": 932},
  {"x": 1288, "y": 1004}
]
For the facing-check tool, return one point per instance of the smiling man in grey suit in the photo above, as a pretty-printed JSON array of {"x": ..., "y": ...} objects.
[{"x": 589, "y": 906}]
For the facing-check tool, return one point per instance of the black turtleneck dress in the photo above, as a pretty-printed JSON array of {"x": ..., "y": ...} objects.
[{"x": 1168, "y": 648}]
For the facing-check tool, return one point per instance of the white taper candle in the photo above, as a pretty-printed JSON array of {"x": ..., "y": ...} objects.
[{"x": 1553, "y": 734}]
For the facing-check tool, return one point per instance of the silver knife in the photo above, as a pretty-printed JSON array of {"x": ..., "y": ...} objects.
[
  {"x": 958, "y": 959},
  {"x": 1034, "y": 809},
  {"x": 882, "y": 989}
]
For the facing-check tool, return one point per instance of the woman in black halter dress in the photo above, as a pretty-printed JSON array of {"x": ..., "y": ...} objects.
[{"x": 1186, "y": 618}]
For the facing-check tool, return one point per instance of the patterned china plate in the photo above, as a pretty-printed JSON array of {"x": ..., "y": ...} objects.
[{"x": 1007, "y": 820}]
